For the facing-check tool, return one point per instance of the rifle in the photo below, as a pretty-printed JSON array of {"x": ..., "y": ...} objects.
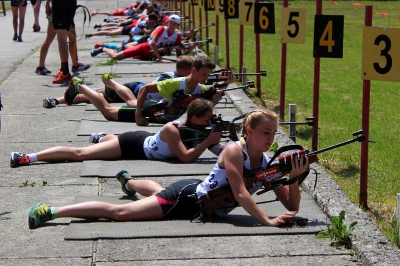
[
  {"x": 223, "y": 75},
  {"x": 271, "y": 176},
  {"x": 166, "y": 49},
  {"x": 229, "y": 129},
  {"x": 180, "y": 101}
]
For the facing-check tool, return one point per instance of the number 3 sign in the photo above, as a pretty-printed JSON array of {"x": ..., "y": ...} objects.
[{"x": 381, "y": 54}]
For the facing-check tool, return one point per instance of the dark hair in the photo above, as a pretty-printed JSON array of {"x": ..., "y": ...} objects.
[
  {"x": 203, "y": 61},
  {"x": 199, "y": 108},
  {"x": 184, "y": 62},
  {"x": 153, "y": 16}
]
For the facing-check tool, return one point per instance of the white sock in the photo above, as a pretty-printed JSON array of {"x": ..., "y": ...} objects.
[
  {"x": 126, "y": 186},
  {"x": 32, "y": 157}
]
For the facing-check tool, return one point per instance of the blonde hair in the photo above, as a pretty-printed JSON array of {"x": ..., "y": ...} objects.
[{"x": 254, "y": 119}]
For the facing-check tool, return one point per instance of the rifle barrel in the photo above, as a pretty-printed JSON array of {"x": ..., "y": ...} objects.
[{"x": 359, "y": 139}]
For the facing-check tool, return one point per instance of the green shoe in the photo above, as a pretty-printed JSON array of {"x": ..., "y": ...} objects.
[
  {"x": 72, "y": 90},
  {"x": 110, "y": 93},
  {"x": 123, "y": 177},
  {"x": 88, "y": 35},
  {"x": 39, "y": 214}
]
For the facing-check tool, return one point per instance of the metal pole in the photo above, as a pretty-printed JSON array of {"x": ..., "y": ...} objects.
[
  {"x": 258, "y": 66},
  {"x": 365, "y": 126},
  {"x": 283, "y": 76},
  {"x": 244, "y": 77},
  {"x": 216, "y": 55},
  {"x": 292, "y": 118}
]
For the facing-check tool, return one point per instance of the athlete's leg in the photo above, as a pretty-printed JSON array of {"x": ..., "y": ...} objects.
[
  {"x": 51, "y": 34},
  {"x": 144, "y": 209},
  {"x": 144, "y": 187},
  {"x": 123, "y": 92},
  {"x": 109, "y": 112},
  {"x": 113, "y": 54},
  {"x": 105, "y": 150}
]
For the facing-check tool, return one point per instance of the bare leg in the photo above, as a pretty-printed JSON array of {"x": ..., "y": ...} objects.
[
  {"x": 140, "y": 210},
  {"x": 62, "y": 45},
  {"x": 113, "y": 54},
  {"x": 109, "y": 112},
  {"x": 144, "y": 187},
  {"x": 51, "y": 33},
  {"x": 73, "y": 51},
  {"x": 22, "y": 11},
  {"x": 36, "y": 11},
  {"x": 105, "y": 150},
  {"x": 14, "y": 10},
  {"x": 124, "y": 92}
]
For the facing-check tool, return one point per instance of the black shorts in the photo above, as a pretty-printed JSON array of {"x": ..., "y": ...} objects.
[
  {"x": 127, "y": 113},
  {"x": 131, "y": 145},
  {"x": 16, "y": 3},
  {"x": 63, "y": 14},
  {"x": 126, "y": 30},
  {"x": 33, "y": 2},
  {"x": 175, "y": 202}
]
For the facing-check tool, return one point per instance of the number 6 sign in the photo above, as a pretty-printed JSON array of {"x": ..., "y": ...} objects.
[{"x": 381, "y": 54}]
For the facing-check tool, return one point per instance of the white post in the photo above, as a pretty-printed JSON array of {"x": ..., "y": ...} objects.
[
  {"x": 244, "y": 77},
  {"x": 216, "y": 61},
  {"x": 292, "y": 118}
]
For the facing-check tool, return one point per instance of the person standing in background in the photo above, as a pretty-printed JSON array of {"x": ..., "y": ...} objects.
[
  {"x": 18, "y": 8},
  {"x": 36, "y": 11}
]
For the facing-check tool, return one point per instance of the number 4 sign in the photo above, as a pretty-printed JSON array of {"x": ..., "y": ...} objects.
[
  {"x": 381, "y": 54},
  {"x": 328, "y": 36}
]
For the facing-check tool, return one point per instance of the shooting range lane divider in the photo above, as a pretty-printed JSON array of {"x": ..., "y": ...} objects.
[
  {"x": 139, "y": 168},
  {"x": 238, "y": 222}
]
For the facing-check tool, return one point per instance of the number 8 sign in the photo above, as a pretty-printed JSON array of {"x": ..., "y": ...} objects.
[{"x": 381, "y": 54}]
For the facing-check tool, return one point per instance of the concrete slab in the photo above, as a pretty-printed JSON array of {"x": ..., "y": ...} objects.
[{"x": 149, "y": 68}]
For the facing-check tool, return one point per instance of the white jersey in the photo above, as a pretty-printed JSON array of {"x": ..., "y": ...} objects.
[
  {"x": 217, "y": 178},
  {"x": 156, "y": 149},
  {"x": 166, "y": 75},
  {"x": 165, "y": 39},
  {"x": 138, "y": 29}
]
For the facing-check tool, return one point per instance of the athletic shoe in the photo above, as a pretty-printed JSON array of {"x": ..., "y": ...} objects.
[
  {"x": 39, "y": 214},
  {"x": 122, "y": 46},
  {"x": 43, "y": 71},
  {"x": 123, "y": 177},
  {"x": 72, "y": 90},
  {"x": 99, "y": 44},
  {"x": 110, "y": 93},
  {"x": 95, "y": 137},
  {"x": 36, "y": 28},
  {"x": 62, "y": 78},
  {"x": 96, "y": 51},
  {"x": 18, "y": 159},
  {"x": 97, "y": 25},
  {"x": 15, "y": 37},
  {"x": 88, "y": 35},
  {"x": 99, "y": 29},
  {"x": 80, "y": 67},
  {"x": 49, "y": 103},
  {"x": 20, "y": 39}
]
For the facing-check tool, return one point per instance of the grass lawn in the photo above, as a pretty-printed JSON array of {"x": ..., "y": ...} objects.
[{"x": 340, "y": 98}]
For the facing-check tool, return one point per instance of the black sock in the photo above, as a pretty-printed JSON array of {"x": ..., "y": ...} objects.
[
  {"x": 57, "y": 102},
  {"x": 64, "y": 68}
]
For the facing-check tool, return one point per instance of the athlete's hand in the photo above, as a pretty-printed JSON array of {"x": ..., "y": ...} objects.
[
  {"x": 231, "y": 78},
  {"x": 141, "y": 121},
  {"x": 280, "y": 219},
  {"x": 214, "y": 137},
  {"x": 165, "y": 61},
  {"x": 299, "y": 165},
  {"x": 216, "y": 98}
]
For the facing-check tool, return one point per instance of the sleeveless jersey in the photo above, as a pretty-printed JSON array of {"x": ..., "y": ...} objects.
[
  {"x": 165, "y": 39},
  {"x": 156, "y": 149},
  {"x": 218, "y": 178}
]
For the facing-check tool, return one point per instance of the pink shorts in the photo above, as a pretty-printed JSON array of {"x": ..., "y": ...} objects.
[{"x": 140, "y": 51}]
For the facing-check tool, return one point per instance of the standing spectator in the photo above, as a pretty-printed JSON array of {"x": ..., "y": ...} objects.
[
  {"x": 18, "y": 8},
  {"x": 63, "y": 17},
  {"x": 36, "y": 11},
  {"x": 51, "y": 33}
]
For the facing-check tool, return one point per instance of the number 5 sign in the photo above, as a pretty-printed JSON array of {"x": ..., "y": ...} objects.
[
  {"x": 293, "y": 25},
  {"x": 381, "y": 54}
]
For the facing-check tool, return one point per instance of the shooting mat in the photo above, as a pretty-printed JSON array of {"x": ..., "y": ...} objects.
[
  {"x": 238, "y": 222},
  {"x": 139, "y": 168}
]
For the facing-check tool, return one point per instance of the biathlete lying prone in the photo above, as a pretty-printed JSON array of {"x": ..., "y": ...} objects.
[
  {"x": 139, "y": 145},
  {"x": 258, "y": 130}
]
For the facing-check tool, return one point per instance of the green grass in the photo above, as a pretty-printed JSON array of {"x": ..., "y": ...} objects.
[{"x": 340, "y": 99}]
